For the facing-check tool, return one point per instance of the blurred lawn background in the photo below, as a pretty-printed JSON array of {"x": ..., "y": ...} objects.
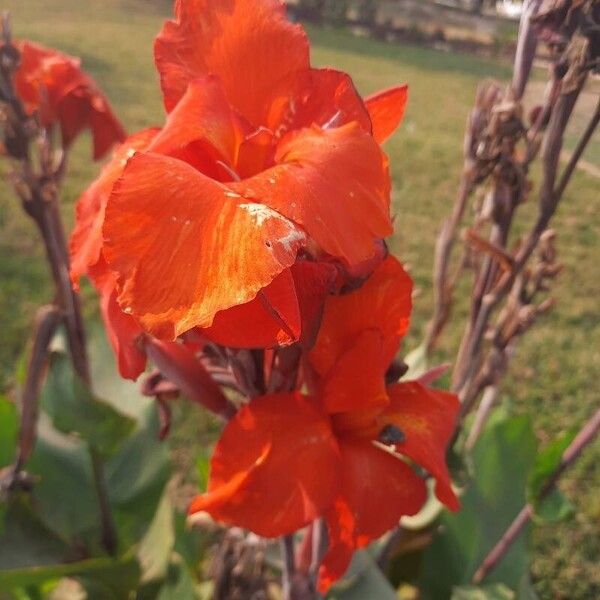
[{"x": 555, "y": 374}]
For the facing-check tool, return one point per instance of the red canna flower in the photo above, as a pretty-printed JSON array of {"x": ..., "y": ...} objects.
[
  {"x": 263, "y": 164},
  {"x": 86, "y": 242},
  {"x": 53, "y": 85},
  {"x": 347, "y": 452}
]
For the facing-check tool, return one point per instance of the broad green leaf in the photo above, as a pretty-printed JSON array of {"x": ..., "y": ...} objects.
[
  {"x": 123, "y": 394},
  {"x": 74, "y": 409},
  {"x": 525, "y": 590},
  {"x": 154, "y": 552},
  {"x": 555, "y": 506},
  {"x": 26, "y": 542},
  {"x": 3, "y": 511},
  {"x": 203, "y": 470},
  {"x": 120, "y": 576},
  {"x": 179, "y": 584},
  {"x": 497, "y": 591},
  {"x": 9, "y": 429},
  {"x": 206, "y": 590},
  {"x": 64, "y": 492},
  {"x": 502, "y": 460},
  {"x": 417, "y": 362},
  {"x": 136, "y": 477},
  {"x": 363, "y": 580},
  {"x": 190, "y": 542}
]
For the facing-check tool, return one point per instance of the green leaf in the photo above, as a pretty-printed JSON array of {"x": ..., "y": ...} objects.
[
  {"x": 179, "y": 583},
  {"x": 555, "y": 506},
  {"x": 154, "y": 552},
  {"x": 417, "y": 362},
  {"x": 203, "y": 469},
  {"x": 497, "y": 591},
  {"x": 74, "y": 409},
  {"x": 502, "y": 460},
  {"x": 123, "y": 394},
  {"x": 64, "y": 490},
  {"x": 526, "y": 590},
  {"x": 31, "y": 555},
  {"x": 136, "y": 477},
  {"x": 118, "y": 575},
  {"x": 363, "y": 580},
  {"x": 9, "y": 429},
  {"x": 26, "y": 541},
  {"x": 190, "y": 542}
]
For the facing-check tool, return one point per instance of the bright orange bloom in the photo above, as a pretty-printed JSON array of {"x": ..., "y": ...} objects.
[
  {"x": 86, "y": 257},
  {"x": 54, "y": 85},
  {"x": 346, "y": 453},
  {"x": 263, "y": 161}
]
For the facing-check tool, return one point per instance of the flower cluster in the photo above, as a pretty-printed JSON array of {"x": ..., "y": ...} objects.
[
  {"x": 53, "y": 86},
  {"x": 253, "y": 221}
]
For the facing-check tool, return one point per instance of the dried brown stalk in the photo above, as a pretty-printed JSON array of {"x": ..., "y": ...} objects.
[{"x": 499, "y": 151}]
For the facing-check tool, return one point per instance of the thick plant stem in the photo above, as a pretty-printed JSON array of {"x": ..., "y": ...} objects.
[
  {"x": 289, "y": 565},
  {"x": 585, "y": 437},
  {"x": 47, "y": 320},
  {"x": 583, "y": 142},
  {"x": 37, "y": 184},
  {"x": 109, "y": 531}
]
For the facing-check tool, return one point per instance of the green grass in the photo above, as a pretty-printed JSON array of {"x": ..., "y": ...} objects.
[{"x": 556, "y": 371}]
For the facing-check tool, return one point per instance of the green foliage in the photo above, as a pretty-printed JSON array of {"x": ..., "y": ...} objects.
[
  {"x": 154, "y": 551},
  {"x": 491, "y": 592},
  {"x": 74, "y": 409},
  {"x": 43, "y": 539},
  {"x": 363, "y": 580},
  {"x": 26, "y": 542},
  {"x": 555, "y": 506},
  {"x": 417, "y": 362},
  {"x": 203, "y": 469},
  {"x": 502, "y": 460},
  {"x": 9, "y": 426}
]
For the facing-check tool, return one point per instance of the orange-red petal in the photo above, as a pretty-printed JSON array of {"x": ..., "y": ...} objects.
[
  {"x": 377, "y": 489},
  {"x": 86, "y": 238},
  {"x": 54, "y": 84},
  {"x": 123, "y": 334},
  {"x": 330, "y": 100},
  {"x": 287, "y": 311},
  {"x": 275, "y": 468},
  {"x": 123, "y": 331},
  {"x": 313, "y": 282},
  {"x": 386, "y": 110},
  {"x": 383, "y": 303},
  {"x": 185, "y": 247},
  {"x": 334, "y": 183},
  {"x": 356, "y": 384},
  {"x": 270, "y": 319},
  {"x": 427, "y": 418},
  {"x": 201, "y": 116},
  {"x": 254, "y": 50}
]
